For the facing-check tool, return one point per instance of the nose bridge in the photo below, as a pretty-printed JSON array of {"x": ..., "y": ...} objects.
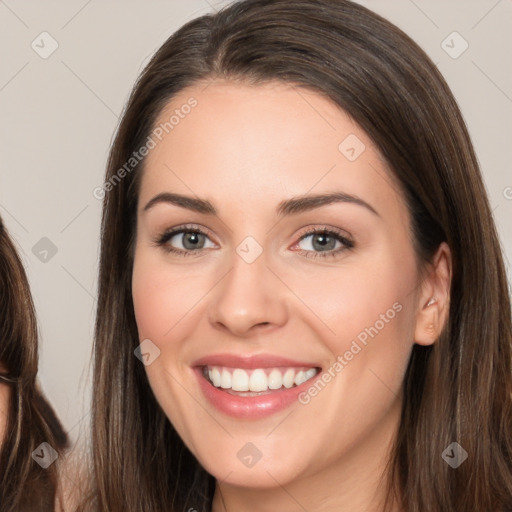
[{"x": 248, "y": 295}]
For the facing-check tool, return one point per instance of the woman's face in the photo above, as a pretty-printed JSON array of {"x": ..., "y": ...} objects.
[{"x": 246, "y": 277}]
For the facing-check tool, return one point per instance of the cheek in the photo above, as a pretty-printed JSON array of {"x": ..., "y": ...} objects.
[
  {"x": 162, "y": 299},
  {"x": 150, "y": 302},
  {"x": 374, "y": 329},
  {"x": 364, "y": 298},
  {"x": 160, "y": 296}
]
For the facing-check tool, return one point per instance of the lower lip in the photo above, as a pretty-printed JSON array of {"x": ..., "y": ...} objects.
[{"x": 249, "y": 407}]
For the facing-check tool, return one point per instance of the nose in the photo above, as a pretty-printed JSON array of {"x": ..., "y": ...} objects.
[{"x": 248, "y": 299}]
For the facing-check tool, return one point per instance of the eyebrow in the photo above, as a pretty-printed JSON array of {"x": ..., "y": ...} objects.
[
  {"x": 191, "y": 203},
  {"x": 287, "y": 207}
]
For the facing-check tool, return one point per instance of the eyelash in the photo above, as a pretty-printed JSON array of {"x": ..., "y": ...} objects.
[{"x": 162, "y": 240}]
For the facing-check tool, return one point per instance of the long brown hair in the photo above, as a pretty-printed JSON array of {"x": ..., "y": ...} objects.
[
  {"x": 24, "y": 485},
  {"x": 459, "y": 389}
]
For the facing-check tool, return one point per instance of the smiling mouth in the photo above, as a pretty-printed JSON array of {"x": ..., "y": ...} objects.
[{"x": 258, "y": 381}]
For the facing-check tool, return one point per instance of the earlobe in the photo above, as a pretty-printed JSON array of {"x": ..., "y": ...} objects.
[
  {"x": 433, "y": 307},
  {"x": 427, "y": 325}
]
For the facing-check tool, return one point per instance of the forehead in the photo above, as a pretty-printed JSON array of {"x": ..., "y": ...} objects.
[{"x": 255, "y": 145}]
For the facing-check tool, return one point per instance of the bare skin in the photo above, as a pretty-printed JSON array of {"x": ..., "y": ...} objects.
[
  {"x": 246, "y": 149},
  {"x": 4, "y": 408},
  {"x": 5, "y": 397}
]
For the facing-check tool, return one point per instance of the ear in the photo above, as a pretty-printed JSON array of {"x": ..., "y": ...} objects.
[{"x": 434, "y": 298}]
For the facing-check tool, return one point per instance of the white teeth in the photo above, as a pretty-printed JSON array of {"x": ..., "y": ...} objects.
[
  {"x": 240, "y": 380},
  {"x": 310, "y": 373},
  {"x": 225, "y": 380},
  {"x": 288, "y": 378},
  {"x": 215, "y": 377},
  {"x": 300, "y": 378},
  {"x": 303, "y": 376},
  {"x": 258, "y": 380},
  {"x": 275, "y": 380}
]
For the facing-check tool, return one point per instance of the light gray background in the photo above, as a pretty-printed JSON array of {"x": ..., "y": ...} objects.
[{"x": 58, "y": 116}]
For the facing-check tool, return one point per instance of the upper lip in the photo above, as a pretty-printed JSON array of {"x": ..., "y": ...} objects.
[{"x": 251, "y": 362}]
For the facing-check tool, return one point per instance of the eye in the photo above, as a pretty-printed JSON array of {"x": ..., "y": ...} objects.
[
  {"x": 315, "y": 243},
  {"x": 323, "y": 243},
  {"x": 184, "y": 240}
]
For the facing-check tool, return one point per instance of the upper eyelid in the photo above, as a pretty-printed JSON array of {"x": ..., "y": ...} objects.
[
  {"x": 337, "y": 231},
  {"x": 184, "y": 229}
]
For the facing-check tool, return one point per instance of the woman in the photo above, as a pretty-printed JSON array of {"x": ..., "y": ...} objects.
[
  {"x": 28, "y": 468},
  {"x": 298, "y": 248}
]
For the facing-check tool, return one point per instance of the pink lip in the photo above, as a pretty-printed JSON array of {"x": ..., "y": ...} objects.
[
  {"x": 249, "y": 407},
  {"x": 251, "y": 362}
]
